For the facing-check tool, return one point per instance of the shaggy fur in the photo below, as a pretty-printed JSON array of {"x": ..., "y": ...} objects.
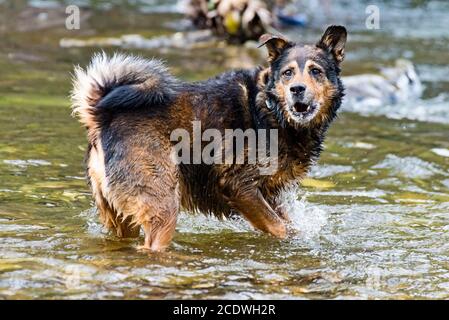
[{"x": 130, "y": 106}]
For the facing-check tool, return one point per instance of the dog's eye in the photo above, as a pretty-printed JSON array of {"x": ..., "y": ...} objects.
[
  {"x": 315, "y": 71},
  {"x": 287, "y": 73}
]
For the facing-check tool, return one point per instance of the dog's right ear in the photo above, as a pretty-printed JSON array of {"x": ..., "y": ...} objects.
[
  {"x": 275, "y": 45},
  {"x": 334, "y": 41}
]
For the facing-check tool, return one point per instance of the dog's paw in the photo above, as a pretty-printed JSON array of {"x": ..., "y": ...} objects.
[
  {"x": 292, "y": 232},
  {"x": 279, "y": 230}
]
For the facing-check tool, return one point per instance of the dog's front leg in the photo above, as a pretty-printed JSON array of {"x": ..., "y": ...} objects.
[
  {"x": 282, "y": 212},
  {"x": 258, "y": 212}
]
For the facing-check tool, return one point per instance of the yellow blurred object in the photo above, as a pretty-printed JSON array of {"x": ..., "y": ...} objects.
[
  {"x": 237, "y": 20},
  {"x": 232, "y": 22},
  {"x": 319, "y": 184}
]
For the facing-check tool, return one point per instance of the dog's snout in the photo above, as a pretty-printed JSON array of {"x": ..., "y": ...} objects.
[{"x": 298, "y": 89}]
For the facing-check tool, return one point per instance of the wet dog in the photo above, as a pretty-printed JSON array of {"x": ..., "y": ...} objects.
[{"x": 131, "y": 106}]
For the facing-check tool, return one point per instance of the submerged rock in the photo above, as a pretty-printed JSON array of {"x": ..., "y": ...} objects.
[
  {"x": 136, "y": 41},
  {"x": 395, "y": 85}
]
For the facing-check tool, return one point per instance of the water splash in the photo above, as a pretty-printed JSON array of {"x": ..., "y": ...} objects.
[
  {"x": 306, "y": 218},
  {"x": 199, "y": 223}
]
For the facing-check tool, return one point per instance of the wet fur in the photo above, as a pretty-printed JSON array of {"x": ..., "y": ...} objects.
[{"x": 130, "y": 106}]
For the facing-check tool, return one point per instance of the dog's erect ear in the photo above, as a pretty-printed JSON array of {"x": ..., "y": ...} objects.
[
  {"x": 334, "y": 40},
  {"x": 275, "y": 45}
]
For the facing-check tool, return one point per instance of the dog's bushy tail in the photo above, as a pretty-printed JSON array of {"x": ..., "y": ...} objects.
[{"x": 118, "y": 82}]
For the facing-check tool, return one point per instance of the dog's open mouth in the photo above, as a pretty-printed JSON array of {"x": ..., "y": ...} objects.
[{"x": 302, "y": 109}]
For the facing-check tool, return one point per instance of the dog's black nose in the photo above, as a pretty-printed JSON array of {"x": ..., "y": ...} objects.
[{"x": 298, "y": 89}]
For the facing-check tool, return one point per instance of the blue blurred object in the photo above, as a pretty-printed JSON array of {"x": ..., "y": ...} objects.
[{"x": 298, "y": 20}]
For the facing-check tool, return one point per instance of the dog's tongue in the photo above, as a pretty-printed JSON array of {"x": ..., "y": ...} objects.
[{"x": 301, "y": 107}]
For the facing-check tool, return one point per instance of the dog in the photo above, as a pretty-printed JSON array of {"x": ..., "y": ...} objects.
[{"x": 130, "y": 107}]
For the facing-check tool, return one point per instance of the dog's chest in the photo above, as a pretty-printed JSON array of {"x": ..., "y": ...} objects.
[{"x": 291, "y": 169}]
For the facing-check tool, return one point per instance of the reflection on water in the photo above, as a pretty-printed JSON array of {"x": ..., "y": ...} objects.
[{"x": 371, "y": 220}]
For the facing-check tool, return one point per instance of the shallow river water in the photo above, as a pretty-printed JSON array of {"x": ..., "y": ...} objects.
[{"x": 372, "y": 219}]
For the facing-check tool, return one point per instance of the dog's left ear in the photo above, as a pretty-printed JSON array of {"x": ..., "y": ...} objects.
[
  {"x": 334, "y": 41},
  {"x": 275, "y": 45}
]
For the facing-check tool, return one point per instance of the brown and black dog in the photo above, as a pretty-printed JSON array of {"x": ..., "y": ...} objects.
[{"x": 131, "y": 106}]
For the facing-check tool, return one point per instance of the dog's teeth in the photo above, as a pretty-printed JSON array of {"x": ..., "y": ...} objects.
[{"x": 308, "y": 109}]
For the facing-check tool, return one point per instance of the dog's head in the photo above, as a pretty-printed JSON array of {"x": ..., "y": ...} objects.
[{"x": 302, "y": 84}]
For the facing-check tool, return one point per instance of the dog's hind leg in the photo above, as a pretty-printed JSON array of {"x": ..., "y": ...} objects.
[
  {"x": 153, "y": 207},
  {"x": 159, "y": 230},
  {"x": 122, "y": 228},
  {"x": 147, "y": 191},
  {"x": 157, "y": 213}
]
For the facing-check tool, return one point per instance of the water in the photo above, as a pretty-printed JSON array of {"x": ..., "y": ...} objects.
[{"x": 372, "y": 219}]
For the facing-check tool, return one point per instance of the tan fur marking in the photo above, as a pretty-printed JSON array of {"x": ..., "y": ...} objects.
[
  {"x": 96, "y": 170},
  {"x": 323, "y": 90},
  {"x": 263, "y": 78}
]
